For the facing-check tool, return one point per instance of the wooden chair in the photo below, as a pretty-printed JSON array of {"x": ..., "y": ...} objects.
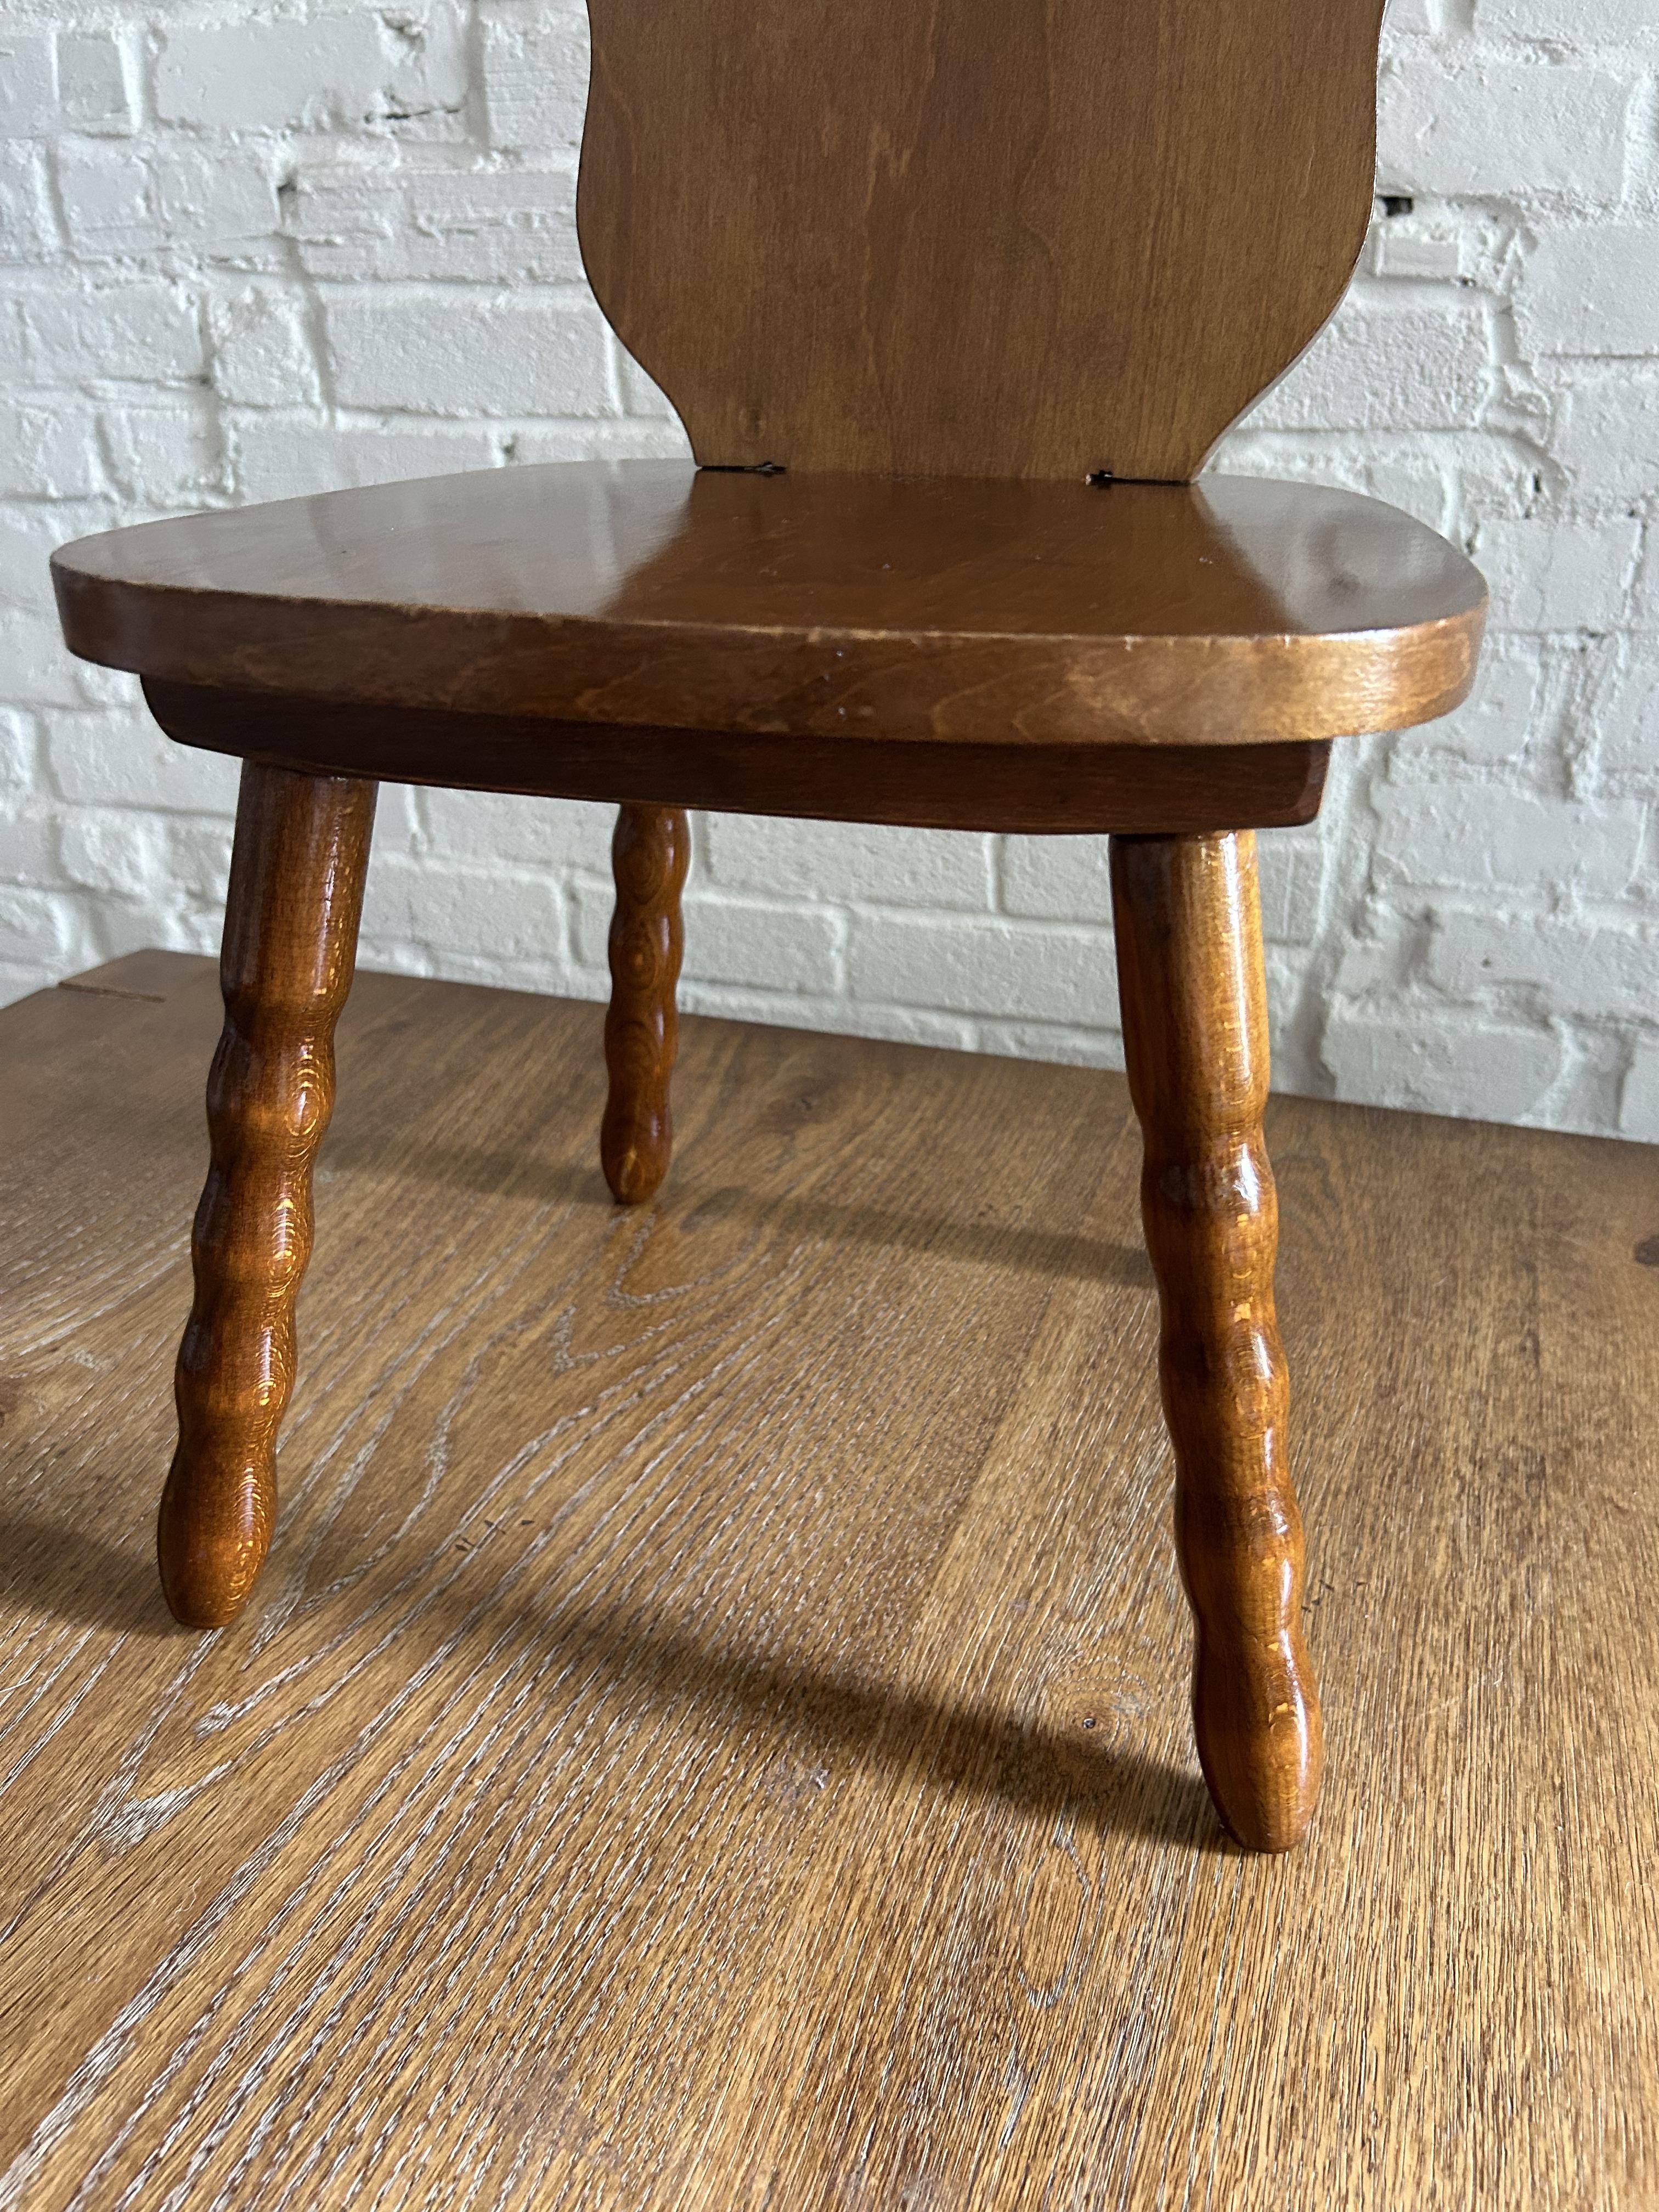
[{"x": 953, "y": 303}]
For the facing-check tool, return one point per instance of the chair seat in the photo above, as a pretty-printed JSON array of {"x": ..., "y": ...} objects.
[{"x": 651, "y": 593}]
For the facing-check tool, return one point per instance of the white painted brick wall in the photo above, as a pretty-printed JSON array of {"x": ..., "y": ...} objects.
[{"x": 247, "y": 252}]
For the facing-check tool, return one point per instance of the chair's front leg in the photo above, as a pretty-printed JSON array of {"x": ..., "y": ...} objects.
[
  {"x": 1195, "y": 1038},
  {"x": 649, "y": 856},
  {"x": 296, "y": 888}
]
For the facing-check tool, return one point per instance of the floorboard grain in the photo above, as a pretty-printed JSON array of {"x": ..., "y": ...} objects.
[{"x": 712, "y": 1730}]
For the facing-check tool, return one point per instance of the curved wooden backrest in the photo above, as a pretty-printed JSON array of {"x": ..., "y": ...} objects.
[{"x": 985, "y": 237}]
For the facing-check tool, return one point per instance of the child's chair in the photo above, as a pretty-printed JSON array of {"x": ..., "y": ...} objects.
[{"x": 953, "y": 303}]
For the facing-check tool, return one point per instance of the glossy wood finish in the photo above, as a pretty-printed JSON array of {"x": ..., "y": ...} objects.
[
  {"x": 649, "y": 854},
  {"x": 1188, "y": 921},
  {"x": 955, "y": 787},
  {"x": 296, "y": 888},
  {"x": 648, "y": 594},
  {"x": 713, "y": 1720},
  {"x": 1006, "y": 238}
]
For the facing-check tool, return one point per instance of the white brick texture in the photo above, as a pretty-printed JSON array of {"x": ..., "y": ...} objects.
[{"x": 251, "y": 252}]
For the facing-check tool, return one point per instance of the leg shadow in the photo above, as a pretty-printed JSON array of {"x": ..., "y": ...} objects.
[{"x": 51, "y": 1567}]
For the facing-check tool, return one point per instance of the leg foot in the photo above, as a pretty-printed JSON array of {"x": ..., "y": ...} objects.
[
  {"x": 649, "y": 856},
  {"x": 1196, "y": 1037},
  {"x": 296, "y": 883}
]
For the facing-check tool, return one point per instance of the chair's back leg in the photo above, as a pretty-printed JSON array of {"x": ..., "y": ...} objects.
[
  {"x": 648, "y": 854},
  {"x": 296, "y": 887},
  {"x": 1189, "y": 925}
]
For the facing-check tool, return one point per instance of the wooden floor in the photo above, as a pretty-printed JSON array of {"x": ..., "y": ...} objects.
[{"x": 712, "y": 1730}]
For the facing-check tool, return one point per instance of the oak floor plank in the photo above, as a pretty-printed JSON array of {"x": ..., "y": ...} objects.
[{"x": 712, "y": 1730}]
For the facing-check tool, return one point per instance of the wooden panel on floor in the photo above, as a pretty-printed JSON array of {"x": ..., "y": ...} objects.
[{"x": 713, "y": 1728}]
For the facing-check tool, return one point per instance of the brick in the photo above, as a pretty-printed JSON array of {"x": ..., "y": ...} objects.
[
  {"x": 1474, "y": 835},
  {"x": 1057, "y": 878},
  {"x": 535, "y": 77},
  {"x": 985, "y": 967},
  {"x": 28, "y": 85},
  {"x": 1435, "y": 252},
  {"x": 489, "y": 355},
  {"x": 1494, "y": 127},
  {"x": 1494, "y": 723},
  {"x": 1627, "y": 719},
  {"x": 119, "y": 758},
  {"x": 490, "y": 914},
  {"x": 1644, "y": 597},
  {"x": 120, "y": 853},
  {"x": 1554, "y": 574},
  {"x": 39, "y": 671},
  {"x": 19, "y": 753},
  {"x": 752, "y": 942},
  {"x": 1603, "y": 969},
  {"x": 50, "y": 453},
  {"x": 475, "y": 225},
  {"x": 1292, "y": 874},
  {"x": 110, "y": 201},
  {"x": 28, "y": 849},
  {"x": 143, "y": 332},
  {"x": 1378, "y": 367},
  {"x": 159, "y": 456},
  {"x": 130, "y": 199},
  {"x": 1481, "y": 1070},
  {"x": 37, "y": 927},
  {"x": 849, "y": 861},
  {"x": 488, "y": 828},
  {"x": 261, "y": 348},
  {"x": 292, "y": 458},
  {"x": 92, "y": 89},
  {"x": 27, "y": 232},
  {"x": 1590, "y": 289},
  {"x": 216, "y": 196},
  {"x": 341, "y": 70},
  {"x": 1605, "y": 436}
]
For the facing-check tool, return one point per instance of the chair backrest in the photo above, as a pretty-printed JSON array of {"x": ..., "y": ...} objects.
[{"x": 984, "y": 238}]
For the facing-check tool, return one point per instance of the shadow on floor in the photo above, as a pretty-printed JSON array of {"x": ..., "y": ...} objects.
[
  {"x": 72, "y": 1576},
  {"x": 815, "y": 1716},
  {"x": 1044, "y": 1252},
  {"x": 1081, "y": 1764}
]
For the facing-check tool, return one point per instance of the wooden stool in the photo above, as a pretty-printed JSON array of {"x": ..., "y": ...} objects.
[{"x": 953, "y": 303}]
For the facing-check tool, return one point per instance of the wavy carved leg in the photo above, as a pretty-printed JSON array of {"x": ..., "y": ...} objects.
[
  {"x": 296, "y": 887},
  {"x": 649, "y": 856},
  {"x": 1196, "y": 1037}
]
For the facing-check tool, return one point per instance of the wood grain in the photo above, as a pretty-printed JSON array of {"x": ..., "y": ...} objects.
[
  {"x": 647, "y": 594},
  {"x": 1008, "y": 238},
  {"x": 715, "y": 1722},
  {"x": 290, "y": 943},
  {"x": 649, "y": 854},
  {"x": 1187, "y": 917}
]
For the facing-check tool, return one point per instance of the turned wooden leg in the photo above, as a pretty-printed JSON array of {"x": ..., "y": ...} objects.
[
  {"x": 296, "y": 888},
  {"x": 649, "y": 856},
  {"x": 1196, "y": 1037}
]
